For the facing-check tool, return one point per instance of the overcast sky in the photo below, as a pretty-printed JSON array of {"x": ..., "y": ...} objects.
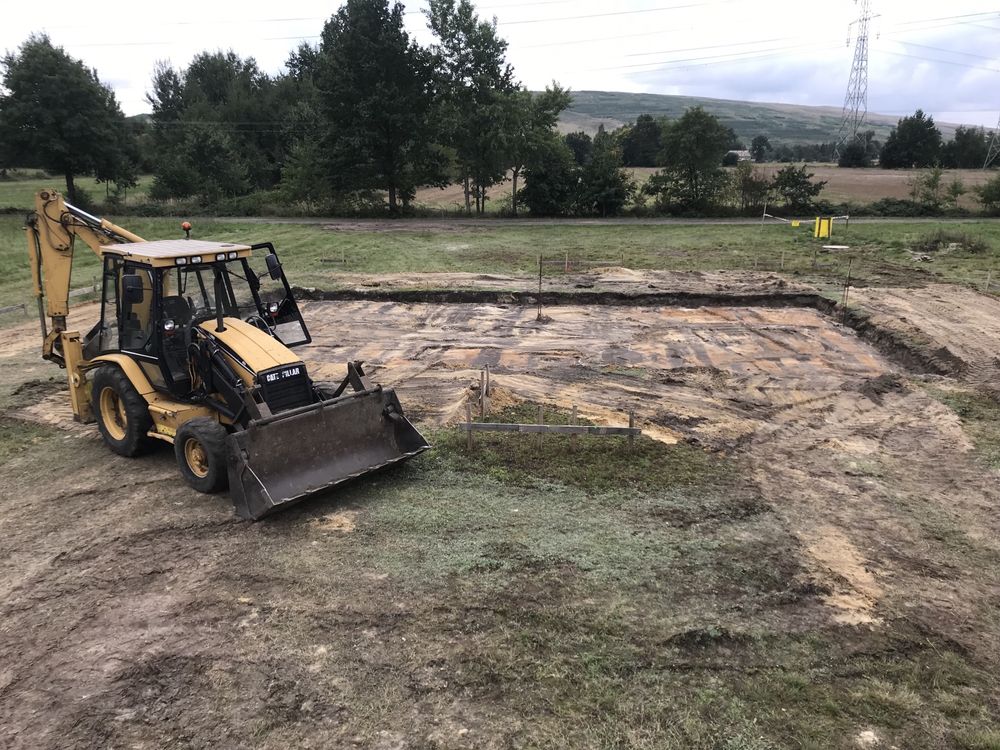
[{"x": 943, "y": 57}]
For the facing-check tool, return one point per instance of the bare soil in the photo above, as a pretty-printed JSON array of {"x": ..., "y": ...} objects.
[{"x": 437, "y": 607}]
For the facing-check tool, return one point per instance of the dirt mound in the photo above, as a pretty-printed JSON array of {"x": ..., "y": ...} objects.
[
  {"x": 615, "y": 271},
  {"x": 34, "y": 391},
  {"x": 876, "y": 388}
]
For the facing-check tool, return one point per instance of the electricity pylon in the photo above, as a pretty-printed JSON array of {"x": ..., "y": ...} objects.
[
  {"x": 994, "y": 151},
  {"x": 856, "y": 101}
]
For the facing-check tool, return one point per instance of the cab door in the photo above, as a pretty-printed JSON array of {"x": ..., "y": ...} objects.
[{"x": 137, "y": 319}]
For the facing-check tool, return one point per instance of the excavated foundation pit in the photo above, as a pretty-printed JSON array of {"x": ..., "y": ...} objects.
[
  {"x": 710, "y": 373},
  {"x": 714, "y": 374}
]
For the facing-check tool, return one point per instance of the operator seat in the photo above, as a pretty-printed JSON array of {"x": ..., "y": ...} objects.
[
  {"x": 177, "y": 309},
  {"x": 175, "y": 344}
]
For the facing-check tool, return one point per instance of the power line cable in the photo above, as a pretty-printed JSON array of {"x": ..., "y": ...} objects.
[{"x": 942, "y": 62}]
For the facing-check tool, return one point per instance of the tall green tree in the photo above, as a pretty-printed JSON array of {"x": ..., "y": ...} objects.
[
  {"x": 56, "y": 113},
  {"x": 854, "y": 155},
  {"x": 760, "y": 147},
  {"x": 581, "y": 144},
  {"x": 795, "y": 187},
  {"x": 532, "y": 120},
  {"x": 967, "y": 150},
  {"x": 223, "y": 105},
  {"x": 551, "y": 178},
  {"x": 605, "y": 187},
  {"x": 477, "y": 103},
  {"x": 376, "y": 95},
  {"x": 750, "y": 187},
  {"x": 693, "y": 148},
  {"x": 914, "y": 142},
  {"x": 303, "y": 177},
  {"x": 641, "y": 142}
]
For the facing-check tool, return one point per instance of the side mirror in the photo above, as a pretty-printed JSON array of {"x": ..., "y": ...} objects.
[
  {"x": 132, "y": 288},
  {"x": 273, "y": 266}
]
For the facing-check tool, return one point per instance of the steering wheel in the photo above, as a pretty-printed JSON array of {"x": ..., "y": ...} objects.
[{"x": 259, "y": 322}]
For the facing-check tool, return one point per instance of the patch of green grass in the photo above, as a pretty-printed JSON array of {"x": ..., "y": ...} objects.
[
  {"x": 17, "y": 437},
  {"x": 592, "y": 463},
  {"x": 308, "y": 250},
  {"x": 979, "y": 739},
  {"x": 950, "y": 240},
  {"x": 980, "y": 415}
]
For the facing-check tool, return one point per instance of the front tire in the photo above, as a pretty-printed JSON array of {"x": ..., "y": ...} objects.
[
  {"x": 122, "y": 413},
  {"x": 200, "y": 448}
]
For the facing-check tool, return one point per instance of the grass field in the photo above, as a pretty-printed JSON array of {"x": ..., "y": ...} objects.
[
  {"x": 879, "y": 254},
  {"x": 20, "y": 193}
]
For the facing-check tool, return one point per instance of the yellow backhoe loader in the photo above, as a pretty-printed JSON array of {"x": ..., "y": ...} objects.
[{"x": 193, "y": 347}]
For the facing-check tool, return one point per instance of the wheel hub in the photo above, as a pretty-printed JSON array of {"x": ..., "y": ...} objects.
[
  {"x": 196, "y": 457},
  {"x": 113, "y": 414}
]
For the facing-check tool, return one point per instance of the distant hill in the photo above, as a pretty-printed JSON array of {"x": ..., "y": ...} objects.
[{"x": 781, "y": 123}]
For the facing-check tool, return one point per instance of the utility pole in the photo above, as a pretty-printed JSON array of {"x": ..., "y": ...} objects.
[
  {"x": 994, "y": 151},
  {"x": 856, "y": 100}
]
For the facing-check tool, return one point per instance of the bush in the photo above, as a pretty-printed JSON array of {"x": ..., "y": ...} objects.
[
  {"x": 950, "y": 240},
  {"x": 989, "y": 195},
  {"x": 898, "y": 207},
  {"x": 795, "y": 188},
  {"x": 854, "y": 155}
]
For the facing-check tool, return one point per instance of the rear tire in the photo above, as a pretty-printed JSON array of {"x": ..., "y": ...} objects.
[
  {"x": 200, "y": 448},
  {"x": 122, "y": 413}
]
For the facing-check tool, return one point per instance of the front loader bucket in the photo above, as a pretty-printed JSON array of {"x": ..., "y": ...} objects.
[{"x": 280, "y": 460}]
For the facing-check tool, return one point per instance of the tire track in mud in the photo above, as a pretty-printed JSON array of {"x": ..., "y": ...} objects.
[{"x": 865, "y": 486}]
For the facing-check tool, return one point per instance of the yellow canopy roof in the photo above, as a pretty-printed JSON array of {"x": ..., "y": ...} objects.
[{"x": 166, "y": 252}]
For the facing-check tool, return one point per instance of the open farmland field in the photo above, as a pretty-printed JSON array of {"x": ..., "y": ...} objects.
[
  {"x": 855, "y": 186},
  {"x": 863, "y": 186},
  {"x": 800, "y": 552}
]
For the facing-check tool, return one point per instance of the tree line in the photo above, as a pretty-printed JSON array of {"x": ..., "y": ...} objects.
[
  {"x": 916, "y": 142},
  {"x": 364, "y": 117},
  {"x": 361, "y": 120}
]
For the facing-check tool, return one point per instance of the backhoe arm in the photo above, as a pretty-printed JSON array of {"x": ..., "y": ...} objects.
[{"x": 51, "y": 230}]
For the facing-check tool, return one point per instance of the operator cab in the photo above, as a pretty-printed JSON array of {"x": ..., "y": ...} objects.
[{"x": 155, "y": 295}]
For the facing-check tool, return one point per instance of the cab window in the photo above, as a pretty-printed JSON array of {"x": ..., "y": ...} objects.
[{"x": 137, "y": 317}]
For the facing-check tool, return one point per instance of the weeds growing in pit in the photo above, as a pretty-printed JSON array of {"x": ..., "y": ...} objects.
[
  {"x": 948, "y": 239},
  {"x": 594, "y": 464}
]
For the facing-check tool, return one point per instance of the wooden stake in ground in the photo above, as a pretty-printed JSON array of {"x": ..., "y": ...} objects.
[
  {"x": 989, "y": 278},
  {"x": 541, "y": 420},
  {"x": 468, "y": 418},
  {"x": 847, "y": 288},
  {"x": 631, "y": 426},
  {"x": 482, "y": 394},
  {"x": 539, "y": 288},
  {"x": 573, "y": 438}
]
